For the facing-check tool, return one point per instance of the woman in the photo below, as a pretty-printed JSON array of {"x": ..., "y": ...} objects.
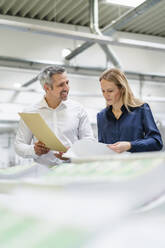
[{"x": 126, "y": 124}]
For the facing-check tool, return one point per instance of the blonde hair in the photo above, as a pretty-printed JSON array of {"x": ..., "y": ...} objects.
[{"x": 119, "y": 79}]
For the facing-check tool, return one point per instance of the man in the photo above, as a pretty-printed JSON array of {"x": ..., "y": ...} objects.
[{"x": 66, "y": 118}]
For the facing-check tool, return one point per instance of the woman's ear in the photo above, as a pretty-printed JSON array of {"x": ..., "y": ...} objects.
[{"x": 122, "y": 91}]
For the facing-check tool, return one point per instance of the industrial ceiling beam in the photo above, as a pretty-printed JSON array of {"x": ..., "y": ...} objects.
[
  {"x": 7, "y": 62},
  {"x": 45, "y": 30},
  {"x": 115, "y": 40}
]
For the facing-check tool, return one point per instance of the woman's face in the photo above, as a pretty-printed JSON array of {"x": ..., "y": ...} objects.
[{"x": 111, "y": 93}]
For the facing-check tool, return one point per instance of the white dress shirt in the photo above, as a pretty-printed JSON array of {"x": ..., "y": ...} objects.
[{"x": 69, "y": 121}]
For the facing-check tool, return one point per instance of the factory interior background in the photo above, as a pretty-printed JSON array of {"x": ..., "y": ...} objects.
[
  {"x": 30, "y": 40},
  {"x": 86, "y": 37}
]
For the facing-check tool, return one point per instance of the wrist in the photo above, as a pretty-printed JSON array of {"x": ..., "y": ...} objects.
[{"x": 128, "y": 146}]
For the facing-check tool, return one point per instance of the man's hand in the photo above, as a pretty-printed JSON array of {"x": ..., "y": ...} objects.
[
  {"x": 60, "y": 155},
  {"x": 40, "y": 148},
  {"x": 120, "y": 147}
]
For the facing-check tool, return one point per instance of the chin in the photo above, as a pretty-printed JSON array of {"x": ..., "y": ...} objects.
[{"x": 64, "y": 98}]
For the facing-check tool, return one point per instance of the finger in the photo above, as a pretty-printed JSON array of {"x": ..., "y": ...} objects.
[
  {"x": 40, "y": 142},
  {"x": 115, "y": 144},
  {"x": 40, "y": 150},
  {"x": 110, "y": 146},
  {"x": 57, "y": 155}
]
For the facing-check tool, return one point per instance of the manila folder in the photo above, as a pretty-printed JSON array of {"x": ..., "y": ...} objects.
[{"x": 42, "y": 132}]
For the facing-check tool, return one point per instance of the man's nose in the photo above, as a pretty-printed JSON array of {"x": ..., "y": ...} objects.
[{"x": 66, "y": 87}]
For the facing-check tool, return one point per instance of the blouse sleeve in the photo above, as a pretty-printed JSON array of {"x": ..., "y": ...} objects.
[
  {"x": 152, "y": 139},
  {"x": 100, "y": 139}
]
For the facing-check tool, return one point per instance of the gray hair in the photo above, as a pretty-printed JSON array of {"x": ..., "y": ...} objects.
[{"x": 45, "y": 77}]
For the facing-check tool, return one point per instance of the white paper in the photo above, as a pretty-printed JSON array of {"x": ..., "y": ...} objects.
[
  {"x": 33, "y": 171},
  {"x": 88, "y": 149}
]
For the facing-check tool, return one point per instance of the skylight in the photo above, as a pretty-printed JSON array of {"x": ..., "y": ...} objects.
[{"x": 128, "y": 3}]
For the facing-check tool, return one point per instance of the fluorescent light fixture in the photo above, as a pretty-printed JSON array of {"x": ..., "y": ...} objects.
[
  {"x": 154, "y": 99},
  {"x": 142, "y": 43},
  {"x": 65, "y": 52},
  {"x": 128, "y": 3},
  {"x": 17, "y": 85}
]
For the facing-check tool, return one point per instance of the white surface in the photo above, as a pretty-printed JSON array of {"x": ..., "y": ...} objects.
[{"x": 83, "y": 149}]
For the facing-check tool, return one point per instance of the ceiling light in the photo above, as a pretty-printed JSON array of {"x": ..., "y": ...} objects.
[
  {"x": 128, "y": 3},
  {"x": 65, "y": 52},
  {"x": 142, "y": 43},
  {"x": 17, "y": 85}
]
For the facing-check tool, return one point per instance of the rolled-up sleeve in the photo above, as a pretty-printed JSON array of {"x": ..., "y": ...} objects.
[{"x": 23, "y": 142}]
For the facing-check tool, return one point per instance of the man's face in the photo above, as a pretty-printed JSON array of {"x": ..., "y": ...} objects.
[{"x": 60, "y": 87}]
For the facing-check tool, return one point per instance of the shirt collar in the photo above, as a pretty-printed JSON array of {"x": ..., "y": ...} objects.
[
  {"x": 110, "y": 114},
  {"x": 43, "y": 104}
]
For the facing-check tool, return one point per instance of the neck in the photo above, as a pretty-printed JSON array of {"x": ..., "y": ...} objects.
[
  {"x": 117, "y": 107},
  {"x": 52, "y": 103}
]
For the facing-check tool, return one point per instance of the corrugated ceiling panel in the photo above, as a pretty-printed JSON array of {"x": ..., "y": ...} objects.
[
  {"x": 83, "y": 14},
  {"x": 151, "y": 22},
  {"x": 51, "y": 5},
  {"x": 77, "y": 12},
  {"x": 107, "y": 15},
  {"x": 74, "y": 16},
  {"x": 70, "y": 11},
  {"x": 64, "y": 8}
]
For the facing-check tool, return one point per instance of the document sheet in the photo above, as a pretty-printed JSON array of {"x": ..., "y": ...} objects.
[
  {"x": 86, "y": 150},
  {"x": 42, "y": 132}
]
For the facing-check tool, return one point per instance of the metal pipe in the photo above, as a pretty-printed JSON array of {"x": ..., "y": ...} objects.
[
  {"x": 79, "y": 70},
  {"x": 33, "y": 80},
  {"x": 111, "y": 56},
  {"x": 94, "y": 17},
  {"x": 94, "y": 26},
  {"x": 118, "y": 24}
]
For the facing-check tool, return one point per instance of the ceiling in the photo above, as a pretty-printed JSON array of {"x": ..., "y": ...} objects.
[
  {"x": 61, "y": 11},
  {"x": 150, "y": 21}
]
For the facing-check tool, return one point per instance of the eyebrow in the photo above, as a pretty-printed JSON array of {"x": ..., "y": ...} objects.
[
  {"x": 63, "y": 82},
  {"x": 107, "y": 89}
]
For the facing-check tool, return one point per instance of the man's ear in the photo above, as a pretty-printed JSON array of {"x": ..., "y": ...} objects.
[{"x": 46, "y": 87}]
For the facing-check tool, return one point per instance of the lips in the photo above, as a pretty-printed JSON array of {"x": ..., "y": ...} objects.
[{"x": 64, "y": 94}]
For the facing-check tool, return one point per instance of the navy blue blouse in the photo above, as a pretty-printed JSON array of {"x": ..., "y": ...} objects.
[{"x": 138, "y": 127}]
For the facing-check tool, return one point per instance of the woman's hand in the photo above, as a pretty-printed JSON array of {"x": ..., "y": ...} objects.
[
  {"x": 120, "y": 147},
  {"x": 40, "y": 148}
]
